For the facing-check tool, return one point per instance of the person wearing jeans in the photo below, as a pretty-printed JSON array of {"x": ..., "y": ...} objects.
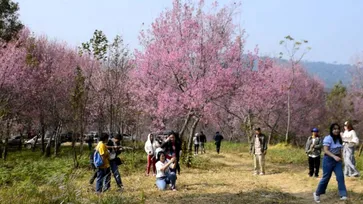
[
  {"x": 163, "y": 174},
  {"x": 114, "y": 147},
  {"x": 103, "y": 171},
  {"x": 258, "y": 148},
  {"x": 332, "y": 162}
]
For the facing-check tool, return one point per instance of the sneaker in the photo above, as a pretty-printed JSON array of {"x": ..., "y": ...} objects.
[
  {"x": 174, "y": 189},
  {"x": 344, "y": 198},
  {"x": 316, "y": 198},
  {"x": 261, "y": 174}
]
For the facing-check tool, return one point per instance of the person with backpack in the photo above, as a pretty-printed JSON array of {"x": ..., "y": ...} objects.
[
  {"x": 102, "y": 163},
  {"x": 218, "y": 140},
  {"x": 313, "y": 149},
  {"x": 114, "y": 147}
]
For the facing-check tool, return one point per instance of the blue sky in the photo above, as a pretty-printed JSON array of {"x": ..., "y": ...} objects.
[{"x": 332, "y": 27}]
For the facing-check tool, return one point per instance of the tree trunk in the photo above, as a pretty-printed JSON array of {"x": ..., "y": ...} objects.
[
  {"x": 21, "y": 141},
  {"x": 7, "y": 136},
  {"x": 288, "y": 118},
  {"x": 57, "y": 140},
  {"x": 184, "y": 127},
  {"x": 49, "y": 144},
  {"x": 360, "y": 149},
  {"x": 190, "y": 142},
  {"x": 42, "y": 140}
]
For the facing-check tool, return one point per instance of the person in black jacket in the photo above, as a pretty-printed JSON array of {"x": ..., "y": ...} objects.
[
  {"x": 203, "y": 140},
  {"x": 259, "y": 148},
  {"x": 218, "y": 140}
]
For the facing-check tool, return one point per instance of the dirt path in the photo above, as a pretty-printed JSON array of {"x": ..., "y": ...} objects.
[{"x": 230, "y": 180}]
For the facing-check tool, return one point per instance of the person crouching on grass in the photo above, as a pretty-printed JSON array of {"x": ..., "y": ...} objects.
[
  {"x": 313, "y": 149},
  {"x": 163, "y": 174}
]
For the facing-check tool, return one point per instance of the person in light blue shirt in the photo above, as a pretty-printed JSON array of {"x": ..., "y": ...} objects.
[{"x": 332, "y": 161}]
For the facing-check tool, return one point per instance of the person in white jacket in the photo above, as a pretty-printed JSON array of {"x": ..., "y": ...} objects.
[
  {"x": 350, "y": 140},
  {"x": 150, "y": 146}
]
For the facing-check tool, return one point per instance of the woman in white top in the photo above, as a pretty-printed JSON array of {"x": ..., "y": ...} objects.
[
  {"x": 350, "y": 140},
  {"x": 163, "y": 174},
  {"x": 150, "y": 146}
]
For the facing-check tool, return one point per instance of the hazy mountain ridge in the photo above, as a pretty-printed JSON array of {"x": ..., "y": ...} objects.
[{"x": 330, "y": 73}]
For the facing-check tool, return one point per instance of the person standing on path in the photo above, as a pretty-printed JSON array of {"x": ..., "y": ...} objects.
[
  {"x": 203, "y": 140},
  {"x": 218, "y": 140},
  {"x": 332, "y": 161},
  {"x": 350, "y": 140},
  {"x": 258, "y": 148},
  {"x": 313, "y": 150}
]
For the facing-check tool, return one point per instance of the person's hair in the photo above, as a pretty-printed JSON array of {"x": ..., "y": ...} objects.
[
  {"x": 257, "y": 129},
  {"x": 201, "y": 132},
  {"x": 118, "y": 137},
  {"x": 335, "y": 137},
  {"x": 349, "y": 125},
  {"x": 159, "y": 154},
  {"x": 217, "y": 132},
  {"x": 104, "y": 137}
]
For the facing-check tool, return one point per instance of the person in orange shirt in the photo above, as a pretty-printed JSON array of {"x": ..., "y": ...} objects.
[{"x": 103, "y": 171}]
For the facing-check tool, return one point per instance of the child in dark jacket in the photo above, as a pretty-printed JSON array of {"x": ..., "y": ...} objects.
[{"x": 313, "y": 150}]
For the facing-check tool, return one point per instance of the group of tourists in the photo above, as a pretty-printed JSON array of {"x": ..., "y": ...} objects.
[
  {"x": 199, "y": 140},
  {"x": 338, "y": 147},
  {"x": 163, "y": 155},
  {"x": 107, "y": 163}
]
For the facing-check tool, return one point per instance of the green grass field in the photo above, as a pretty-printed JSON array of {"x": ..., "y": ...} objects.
[{"x": 28, "y": 177}]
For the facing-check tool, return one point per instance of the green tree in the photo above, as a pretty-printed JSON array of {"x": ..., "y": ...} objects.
[
  {"x": 292, "y": 48},
  {"x": 10, "y": 25},
  {"x": 339, "y": 107}
]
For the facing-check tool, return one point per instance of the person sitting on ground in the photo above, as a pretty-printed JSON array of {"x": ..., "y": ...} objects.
[{"x": 163, "y": 174}]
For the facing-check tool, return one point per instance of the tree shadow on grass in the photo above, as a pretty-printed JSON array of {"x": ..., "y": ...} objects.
[{"x": 255, "y": 197}]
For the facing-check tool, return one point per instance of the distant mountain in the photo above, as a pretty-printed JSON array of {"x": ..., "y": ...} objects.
[{"x": 330, "y": 73}]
